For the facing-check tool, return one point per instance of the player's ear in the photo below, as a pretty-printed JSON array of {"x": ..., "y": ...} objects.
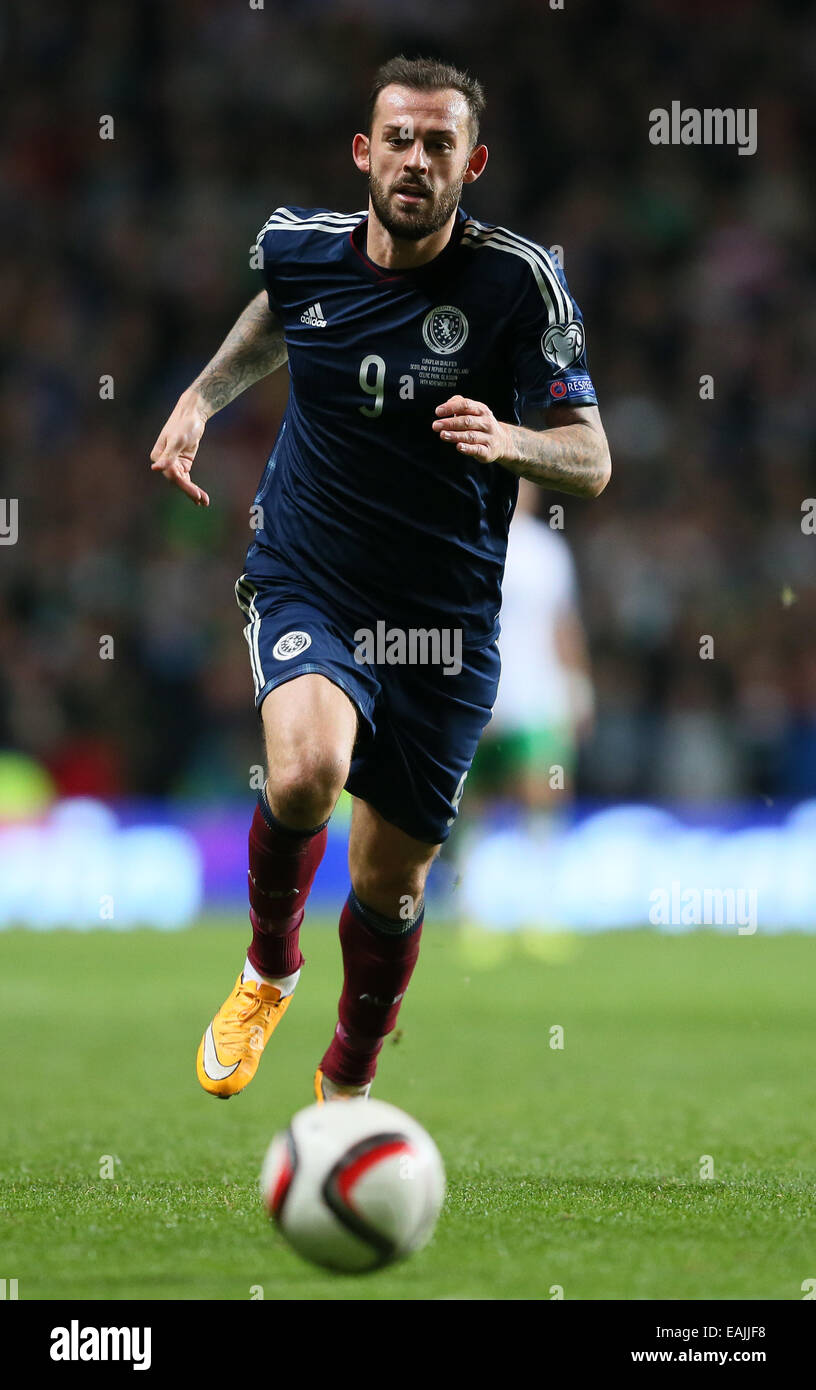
[
  {"x": 360, "y": 148},
  {"x": 476, "y": 164}
]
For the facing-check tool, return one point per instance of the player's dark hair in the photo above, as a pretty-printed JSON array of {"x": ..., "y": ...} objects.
[{"x": 429, "y": 75}]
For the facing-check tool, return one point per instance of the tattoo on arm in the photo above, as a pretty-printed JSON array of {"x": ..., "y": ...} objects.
[
  {"x": 252, "y": 349},
  {"x": 573, "y": 458}
]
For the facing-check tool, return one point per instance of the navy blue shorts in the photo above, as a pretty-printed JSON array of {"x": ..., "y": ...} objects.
[{"x": 418, "y": 726}]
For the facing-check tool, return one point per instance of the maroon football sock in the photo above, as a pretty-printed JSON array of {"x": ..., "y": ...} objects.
[
  {"x": 379, "y": 955},
  {"x": 282, "y": 866}
]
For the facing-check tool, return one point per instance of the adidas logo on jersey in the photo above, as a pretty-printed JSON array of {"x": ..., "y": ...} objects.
[{"x": 314, "y": 317}]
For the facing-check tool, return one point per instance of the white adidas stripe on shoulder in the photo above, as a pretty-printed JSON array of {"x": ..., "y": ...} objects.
[
  {"x": 285, "y": 221},
  {"x": 473, "y": 222},
  {"x": 477, "y": 236},
  {"x": 474, "y": 226},
  {"x": 329, "y": 216}
]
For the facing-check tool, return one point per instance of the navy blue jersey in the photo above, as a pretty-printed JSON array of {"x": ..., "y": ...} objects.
[{"x": 361, "y": 500}]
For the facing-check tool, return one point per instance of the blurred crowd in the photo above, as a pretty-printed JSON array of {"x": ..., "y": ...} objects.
[{"x": 128, "y": 258}]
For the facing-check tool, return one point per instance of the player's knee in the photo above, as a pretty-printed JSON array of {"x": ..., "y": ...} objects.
[
  {"x": 393, "y": 892},
  {"x": 303, "y": 788}
]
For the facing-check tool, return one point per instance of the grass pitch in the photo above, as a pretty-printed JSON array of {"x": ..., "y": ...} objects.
[{"x": 574, "y": 1168}]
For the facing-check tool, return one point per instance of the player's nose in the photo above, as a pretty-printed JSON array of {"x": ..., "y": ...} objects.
[{"x": 416, "y": 159}]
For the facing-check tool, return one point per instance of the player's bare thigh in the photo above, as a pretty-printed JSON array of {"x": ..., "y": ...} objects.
[
  {"x": 310, "y": 726},
  {"x": 388, "y": 868}
]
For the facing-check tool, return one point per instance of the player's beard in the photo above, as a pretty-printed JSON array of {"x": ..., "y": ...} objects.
[{"x": 413, "y": 223}]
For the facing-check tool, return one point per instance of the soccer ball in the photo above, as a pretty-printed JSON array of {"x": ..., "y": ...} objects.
[{"x": 353, "y": 1184}]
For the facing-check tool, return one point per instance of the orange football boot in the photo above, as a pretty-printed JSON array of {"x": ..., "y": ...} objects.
[{"x": 229, "y": 1052}]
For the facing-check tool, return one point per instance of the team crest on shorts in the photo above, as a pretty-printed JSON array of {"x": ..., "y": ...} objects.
[
  {"x": 563, "y": 343},
  {"x": 291, "y": 644},
  {"x": 445, "y": 329}
]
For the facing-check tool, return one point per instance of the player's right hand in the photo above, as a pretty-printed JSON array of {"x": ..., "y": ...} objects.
[{"x": 176, "y": 447}]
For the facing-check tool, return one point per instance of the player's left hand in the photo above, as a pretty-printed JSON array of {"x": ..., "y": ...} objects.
[{"x": 473, "y": 428}]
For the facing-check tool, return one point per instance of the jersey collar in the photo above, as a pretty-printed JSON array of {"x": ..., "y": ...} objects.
[{"x": 355, "y": 245}]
